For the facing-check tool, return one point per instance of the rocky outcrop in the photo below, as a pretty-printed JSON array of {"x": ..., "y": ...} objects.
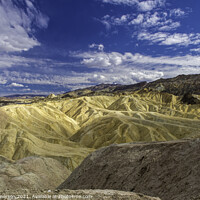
[
  {"x": 169, "y": 170},
  {"x": 31, "y": 173},
  {"x": 179, "y": 85},
  {"x": 190, "y": 99},
  {"x": 51, "y": 96}
]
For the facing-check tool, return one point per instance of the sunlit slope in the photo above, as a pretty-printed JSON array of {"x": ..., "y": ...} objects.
[
  {"x": 138, "y": 127},
  {"x": 85, "y": 109},
  {"x": 69, "y": 129},
  {"x": 141, "y": 117},
  {"x": 39, "y": 129}
]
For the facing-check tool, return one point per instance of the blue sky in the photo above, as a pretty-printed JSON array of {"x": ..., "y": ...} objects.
[{"x": 60, "y": 45}]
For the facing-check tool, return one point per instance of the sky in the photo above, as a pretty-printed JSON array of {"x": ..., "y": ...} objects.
[{"x": 54, "y": 46}]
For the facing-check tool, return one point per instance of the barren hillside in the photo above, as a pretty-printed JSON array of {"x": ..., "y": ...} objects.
[{"x": 68, "y": 128}]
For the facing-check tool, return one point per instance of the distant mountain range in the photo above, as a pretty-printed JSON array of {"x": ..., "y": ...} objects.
[
  {"x": 180, "y": 85},
  {"x": 25, "y": 96}
]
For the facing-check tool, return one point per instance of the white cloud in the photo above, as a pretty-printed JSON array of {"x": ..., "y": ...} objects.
[
  {"x": 108, "y": 20},
  {"x": 3, "y": 81},
  {"x": 138, "y": 20},
  {"x": 177, "y": 38},
  {"x": 99, "y": 47},
  {"x": 182, "y": 39},
  {"x": 124, "y": 76},
  {"x": 163, "y": 38},
  {"x": 144, "y": 6},
  {"x": 99, "y": 59},
  {"x": 170, "y": 26},
  {"x": 121, "y": 20},
  {"x": 154, "y": 38},
  {"x": 152, "y": 20},
  {"x": 149, "y": 5},
  {"x": 195, "y": 50},
  {"x": 16, "y": 25},
  {"x": 119, "y": 2},
  {"x": 113, "y": 67},
  {"x": 114, "y": 59},
  {"x": 16, "y": 85},
  {"x": 130, "y": 68},
  {"x": 158, "y": 20},
  {"x": 105, "y": 21},
  {"x": 97, "y": 78},
  {"x": 8, "y": 61},
  {"x": 177, "y": 12}
]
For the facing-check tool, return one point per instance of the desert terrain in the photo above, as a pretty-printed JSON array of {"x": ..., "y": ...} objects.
[{"x": 141, "y": 138}]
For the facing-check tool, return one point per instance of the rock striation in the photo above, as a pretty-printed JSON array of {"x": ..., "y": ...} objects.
[
  {"x": 69, "y": 129},
  {"x": 169, "y": 170}
]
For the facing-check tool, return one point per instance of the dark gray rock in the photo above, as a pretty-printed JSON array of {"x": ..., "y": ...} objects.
[{"x": 169, "y": 170}]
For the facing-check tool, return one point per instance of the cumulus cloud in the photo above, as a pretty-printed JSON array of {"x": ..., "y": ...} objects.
[
  {"x": 153, "y": 25},
  {"x": 163, "y": 38},
  {"x": 105, "y": 67},
  {"x": 99, "y": 78},
  {"x": 16, "y": 25},
  {"x": 144, "y": 6},
  {"x": 120, "y": 20},
  {"x": 138, "y": 20},
  {"x": 16, "y": 85},
  {"x": 177, "y": 12},
  {"x": 114, "y": 59},
  {"x": 99, "y": 59},
  {"x": 149, "y": 5},
  {"x": 160, "y": 21},
  {"x": 127, "y": 76},
  {"x": 110, "y": 21},
  {"x": 131, "y": 68},
  {"x": 99, "y": 47}
]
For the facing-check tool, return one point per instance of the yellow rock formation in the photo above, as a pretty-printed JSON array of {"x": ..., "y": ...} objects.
[{"x": 69, "y": 129}]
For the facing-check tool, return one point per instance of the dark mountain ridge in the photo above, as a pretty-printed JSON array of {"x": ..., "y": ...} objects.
[{"x": 179, "y": 85}]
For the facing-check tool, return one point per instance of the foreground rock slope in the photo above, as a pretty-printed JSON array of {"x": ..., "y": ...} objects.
[
  {"x": 169, "y": 170},
  {"x": 31, "y": 173}
]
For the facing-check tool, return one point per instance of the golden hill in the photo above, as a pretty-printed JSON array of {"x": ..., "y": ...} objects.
[
  {"x": 69, "y": 129},
  {"x": 39, "y": 129}
]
